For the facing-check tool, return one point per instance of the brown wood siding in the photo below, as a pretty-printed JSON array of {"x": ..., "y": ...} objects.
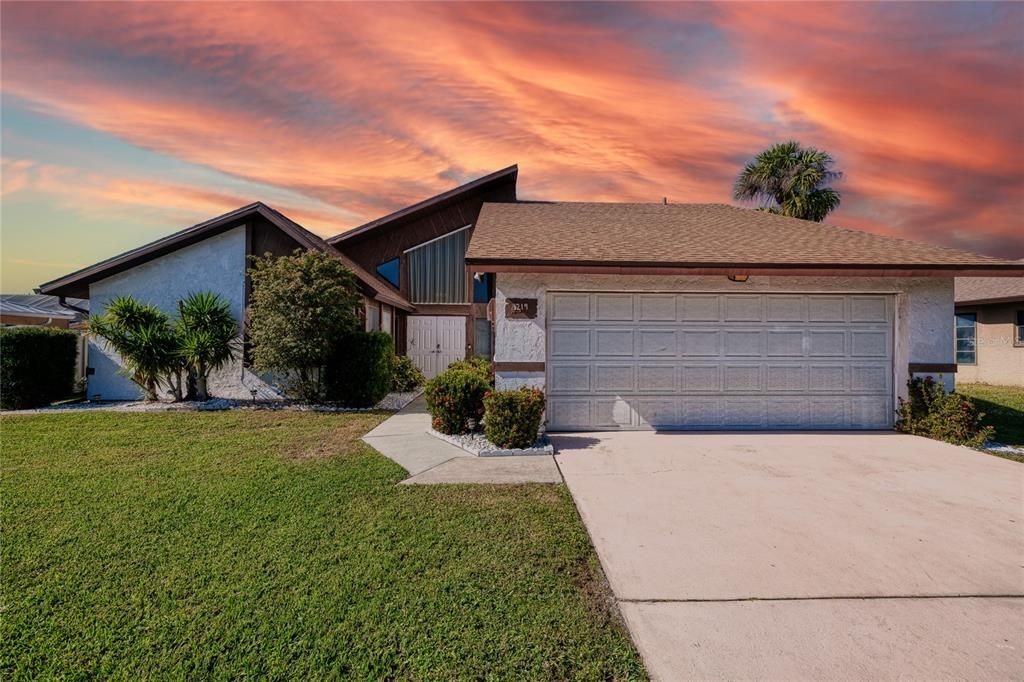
[
  {"x": 266, "y": 238},
  {"x": 390, "y": 241}
]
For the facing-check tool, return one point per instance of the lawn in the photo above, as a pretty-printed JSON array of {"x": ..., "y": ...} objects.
[
  {"x": 1004, "y": 409},
  {"x": 277, "y": 545}
]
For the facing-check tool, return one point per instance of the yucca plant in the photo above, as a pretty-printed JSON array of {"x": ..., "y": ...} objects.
[
  {"x": 790, "y": 180},
  {"x": 144, "y": 338},
  {"x": 207, "y": 337}
]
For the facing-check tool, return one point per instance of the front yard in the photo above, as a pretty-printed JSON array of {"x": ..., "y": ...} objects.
[
  {"x": 277, "y": 545},
  {"x": 1004, "y": 410}
]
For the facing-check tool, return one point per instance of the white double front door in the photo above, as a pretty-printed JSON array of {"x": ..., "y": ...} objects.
[{"x": 435, "y": 341}]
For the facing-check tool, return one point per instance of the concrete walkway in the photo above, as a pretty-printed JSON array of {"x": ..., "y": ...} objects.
[
  {"x": 403, "y": 438},
  {"x": 807, "y": 556}
]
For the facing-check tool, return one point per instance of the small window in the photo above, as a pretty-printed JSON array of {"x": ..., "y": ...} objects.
[
  {"x": 1018, "y": 337},
  {"x": 389, "y": 271},
  {"x": 483, "y": 342},
  {"x": 482, "y": 287},
  {"x": 966, "y": 338}
]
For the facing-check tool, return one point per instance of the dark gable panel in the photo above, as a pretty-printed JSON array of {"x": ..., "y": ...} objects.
[
  {"x": 267, "y": 238},
  {"x": 391, "y": 241}
]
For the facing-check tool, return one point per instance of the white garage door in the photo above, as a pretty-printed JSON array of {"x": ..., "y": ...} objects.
[{"x": 719, "y": 361}]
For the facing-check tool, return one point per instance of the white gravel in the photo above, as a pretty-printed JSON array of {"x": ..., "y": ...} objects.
[
  {"x": 476, "y": 443},
  {"x": 392, "y": 402}
]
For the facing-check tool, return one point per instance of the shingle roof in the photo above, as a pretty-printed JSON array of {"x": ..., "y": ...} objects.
[
  {"x": 39, "y": 305},
  {"x": 692, "y": 235},
  {"x": 989, "y": 289},
  {"x": 77, "y": 282}
]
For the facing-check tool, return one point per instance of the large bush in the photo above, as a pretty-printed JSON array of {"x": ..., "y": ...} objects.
[
  {"x": 481, "y": 366},
  {"x": 37, "y": 366},
  {"x": 358, "y": 371},
  {"x": 405, "y": 376},
  {"x": 455, "y": 399},
  {"x": 512, "y": 418},
  {"x": 300, "y": 305},
  {"x": 931, "y": 412}
]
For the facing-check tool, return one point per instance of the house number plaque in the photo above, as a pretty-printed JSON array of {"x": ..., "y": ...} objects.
[{"x": 520, "y": 308}]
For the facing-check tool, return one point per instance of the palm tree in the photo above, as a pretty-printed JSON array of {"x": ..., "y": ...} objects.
[
  {"x": 207, "y": 337},
  {"x": 791, "y": 180},
  {"x": 143, "y": 337}
]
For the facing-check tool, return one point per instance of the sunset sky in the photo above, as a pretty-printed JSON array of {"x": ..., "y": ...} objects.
[{"x": 125, "y": 122}]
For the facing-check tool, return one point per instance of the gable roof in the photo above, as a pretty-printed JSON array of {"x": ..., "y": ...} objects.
[
  {"x": 37, "y": 305},
  {"x": 697, "y": 238},
  {"x": 989, "y": 289},
  {"x": 77, "y": 283},
  {"x": 414, "y": 211}
]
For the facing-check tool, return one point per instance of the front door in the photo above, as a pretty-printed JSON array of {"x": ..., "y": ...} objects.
[{"x": 435, "y": 342}]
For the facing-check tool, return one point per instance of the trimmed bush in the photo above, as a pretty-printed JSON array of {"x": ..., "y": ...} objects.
[
  {"x": 481, "y": 366},
  {"x": 454, "y": 398},
  {"x": 951, "y": 417},
  {"x": 405, "y": 376},
  {"x": 512, "y": 418},
  {"x": 37, "y": 366},
  {"x": 358, "y": 371}
]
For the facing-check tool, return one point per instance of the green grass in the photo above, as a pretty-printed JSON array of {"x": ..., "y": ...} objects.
[
  {"x": 1004, "y": 409},
  {"x": 277, "y": 545}
]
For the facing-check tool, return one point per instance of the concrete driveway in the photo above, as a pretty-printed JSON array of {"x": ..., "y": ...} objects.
[{"x": 812, "y": 556}]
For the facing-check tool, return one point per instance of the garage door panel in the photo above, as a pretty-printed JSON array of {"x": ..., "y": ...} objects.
[
  {"x": 657, "y": 307},
  {"x": 742, "y": 378},
  {"x": 656, "y": 342},
  {"x": 744, "y": 308},
  {"x": 785, "y": 343},
  {"x": 613, "y": 342},
  {"x": 742, "y": 343},
  {"x": 699, "y": 308},
  {"x": 699, "y": 342},
  {"x": 614, "y": 307},
  {"x": 614, "y": 378},
  {"x": 570, "y": 307},
  {"x": 697, "y": 378},
  {"x": 719, "y": 361},
  {"x": 570, "y": 343},
  {"x": 657, "y": 378}
]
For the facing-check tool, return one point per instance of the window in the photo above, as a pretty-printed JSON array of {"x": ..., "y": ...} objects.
[
  {"x": 483, "y": 344},
  {"x": 389, "y": 271},
  {"x": 482, "y": 287},
  {"x": 966, "y": 338},
  {"x": 1018, "y": 337},
  {"x": 437, "y": 270}
]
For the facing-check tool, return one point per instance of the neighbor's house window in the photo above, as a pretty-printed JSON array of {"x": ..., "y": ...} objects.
[
  {"x": 1018, "y": 337},
  {"x": 437, "y": 269},
  {"x": 389, "y": 271},
  {"x": 966, "y": 338}
]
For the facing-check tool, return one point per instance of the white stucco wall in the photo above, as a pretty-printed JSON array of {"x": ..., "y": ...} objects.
[
  {"x": 923, "y": 324},
  {"x": 216, "y": 264}
]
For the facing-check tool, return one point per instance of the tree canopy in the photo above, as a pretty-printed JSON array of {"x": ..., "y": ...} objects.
[{"x": 790, "y": 180}]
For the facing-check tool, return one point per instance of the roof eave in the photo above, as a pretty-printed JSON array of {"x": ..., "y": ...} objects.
[
  {"x": 408, "y": 212},
  {"x": 992, "y": 301},
  {"x": 779, "y": 269}
]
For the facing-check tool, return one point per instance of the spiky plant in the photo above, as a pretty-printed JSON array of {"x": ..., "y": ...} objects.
[
  {"x": 790, "y": 180},
  {"x": 207, "y": 336},
  {"x": 144, "y": 338}
]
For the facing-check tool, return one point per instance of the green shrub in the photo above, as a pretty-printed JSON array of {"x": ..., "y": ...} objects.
[
  {"x": 37, "y": 366},
  {"x": 931, "y": 412},
  {"x": 512, "y": 418},
  {"x": 358, "y": 371},
  {"x": 454, "y": 397},
  {"x": 481, "y": 366},
  {"x": 405, "y": 376}
]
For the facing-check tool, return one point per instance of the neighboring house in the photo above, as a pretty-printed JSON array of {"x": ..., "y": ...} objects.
[
  {"x": 40, "y": 310},
  {"x": 692, "y": 316},
  {"x": 989, "y": 330}
]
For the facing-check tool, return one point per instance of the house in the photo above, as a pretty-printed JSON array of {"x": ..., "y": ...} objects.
[
  {"x": 630, "y": 316},
  {"x": 989, "y": 327},
  {"x": 707, "y": 316},
  {"x": 37, "y": 309}
]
